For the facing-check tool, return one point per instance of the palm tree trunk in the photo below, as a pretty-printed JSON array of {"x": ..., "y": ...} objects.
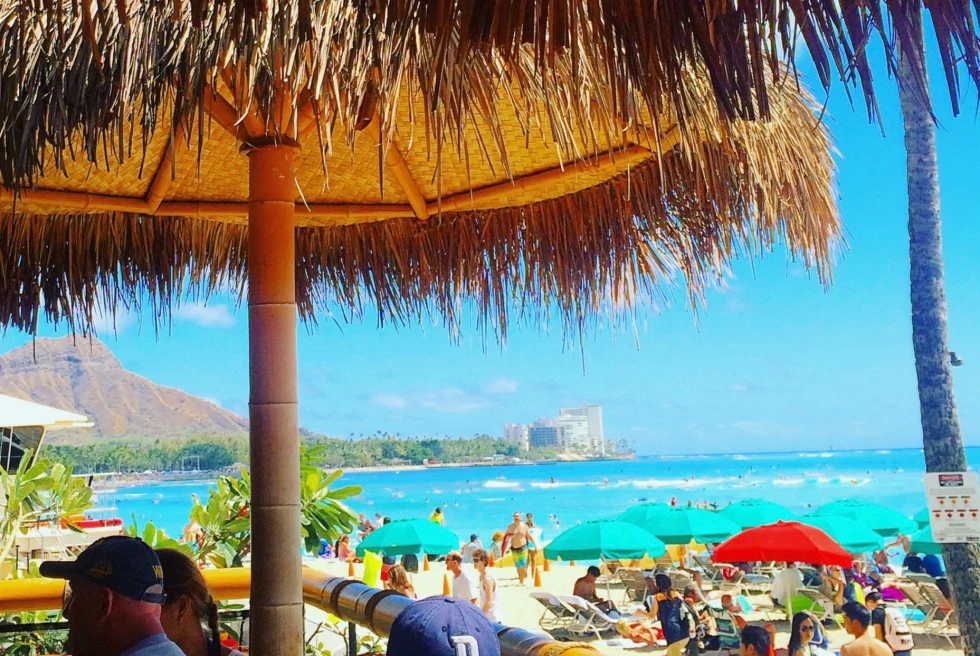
[{"x": 942, "y": 442}]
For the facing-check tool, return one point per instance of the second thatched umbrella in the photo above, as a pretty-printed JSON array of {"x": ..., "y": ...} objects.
[{"x": 148, "y": 158}]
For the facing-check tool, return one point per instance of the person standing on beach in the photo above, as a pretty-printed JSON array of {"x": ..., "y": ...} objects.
[
  {"x": 463, "y": 587},
  {"x": 517, "y": 533},
  {"x": 857, "y": 620},
  {"x": 489, "y": 591},
  {"x": 532, "y": 547}
]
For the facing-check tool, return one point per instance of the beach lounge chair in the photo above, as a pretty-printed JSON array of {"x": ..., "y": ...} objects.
[
  {"x": 710, "y": 572},
  {"x": 941, "y": 606},
  {"x": 948, "y": 628},
  {"x": 916, "y": 602},
  {"x": 822, "y": 606},
  {"x": 729, "y": 636},
  {"x": 634, "y": 585},
  {"x": 679, "y": 579},
  {"x": 665, "y": 562},
  {"x": 556, "y": 615},
  {"x": 588, "y": 617}
]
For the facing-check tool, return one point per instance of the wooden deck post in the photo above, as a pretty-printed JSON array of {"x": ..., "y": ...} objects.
[{"x": 277, "y": 574}]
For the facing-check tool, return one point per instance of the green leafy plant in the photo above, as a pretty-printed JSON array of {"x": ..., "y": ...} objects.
[
  {"x": 368, "y": 644},
  {"x": 324, "y": 514},
  {"x": 155, "y": 537},
  {"x": 225, "y": 517},
  {"x": 39, "y": 491}
]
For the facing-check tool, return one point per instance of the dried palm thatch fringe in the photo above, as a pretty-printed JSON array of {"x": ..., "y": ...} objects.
[
  {"x": 598, "y": 250},
  {"x": 72, "y": 84}
]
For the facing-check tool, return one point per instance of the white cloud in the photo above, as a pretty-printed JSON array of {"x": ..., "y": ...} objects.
[
  {"x": 207, "y": 316},
  {"x": 453, "y": 399},
  {"x": 390, "y": 401},
  {"x": 501, "y": 386},
  {"x": 109, "y": 324}
]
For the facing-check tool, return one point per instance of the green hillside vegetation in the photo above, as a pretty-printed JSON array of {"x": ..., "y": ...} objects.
[{"x": 137, "y": 455}]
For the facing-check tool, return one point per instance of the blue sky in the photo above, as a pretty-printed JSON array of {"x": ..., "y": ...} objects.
[{"x": 773, "y": 362}]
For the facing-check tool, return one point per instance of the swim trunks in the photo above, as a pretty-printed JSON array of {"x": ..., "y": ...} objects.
[{"x": 520, "y": 557}]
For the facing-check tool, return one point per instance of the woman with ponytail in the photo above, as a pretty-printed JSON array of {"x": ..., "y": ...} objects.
[{"x": 189, "y": 607}]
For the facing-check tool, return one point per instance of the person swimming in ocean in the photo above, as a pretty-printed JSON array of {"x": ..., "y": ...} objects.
[{"x": 552, "y": 480}]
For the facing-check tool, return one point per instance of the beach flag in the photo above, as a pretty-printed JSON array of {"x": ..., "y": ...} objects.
[
  {"x": 547, "y": 567},
  {"x": 425, "y": 562},
  {"x": 446, "y": 591},
  {"x": 537, "y": 577},
  {"x": 490, "y": 560}
]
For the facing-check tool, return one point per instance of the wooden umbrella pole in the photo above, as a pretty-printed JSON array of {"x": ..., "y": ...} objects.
[{"x": 277, "y": 574}]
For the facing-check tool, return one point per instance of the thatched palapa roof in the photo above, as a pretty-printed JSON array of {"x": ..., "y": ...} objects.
[{"x": 434, "y": 168}]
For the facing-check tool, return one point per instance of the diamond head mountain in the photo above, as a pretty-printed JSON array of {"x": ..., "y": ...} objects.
[{"x": 81, "y": 374}]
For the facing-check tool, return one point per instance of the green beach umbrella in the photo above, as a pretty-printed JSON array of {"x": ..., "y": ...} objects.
[
  {"x": 854, "y": 537},
  {"x": 923, "y": 543},
  {"x": 408, "y": 536},
  {"x": 642, "y": 514},
  {"x": 880, "y": 519},
  {"x": 756, "y": 512},
  {"x": 604, "y": 538},
  {"x": 922, "y": 517},
  {"x": 681, "y": 525}
]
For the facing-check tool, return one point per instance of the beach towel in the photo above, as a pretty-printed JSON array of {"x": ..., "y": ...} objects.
[{"x": 372, "y": 569}]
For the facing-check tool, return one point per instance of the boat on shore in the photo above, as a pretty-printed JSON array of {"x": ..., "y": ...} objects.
[{"x": 23, "y": 427}]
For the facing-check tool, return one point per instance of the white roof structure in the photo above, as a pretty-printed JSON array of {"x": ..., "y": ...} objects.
[{"x": 15, "y": 413}]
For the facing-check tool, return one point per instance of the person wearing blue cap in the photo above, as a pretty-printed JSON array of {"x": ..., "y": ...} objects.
[
  {"x": 442, "y": 626},
  {"x": 113, "y": 599}
]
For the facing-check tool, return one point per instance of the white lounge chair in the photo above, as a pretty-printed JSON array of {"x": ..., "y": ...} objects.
[
  {"x": 588, "y": 617},
  {"x": 556, "y": 615},
  {"x": 634, "y": 585}
]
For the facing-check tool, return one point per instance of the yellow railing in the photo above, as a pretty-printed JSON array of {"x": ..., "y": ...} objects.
[{"x": 349, "y": 600}]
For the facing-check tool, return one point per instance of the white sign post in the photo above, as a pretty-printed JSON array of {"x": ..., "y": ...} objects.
[{"x": 954, "y": 506}]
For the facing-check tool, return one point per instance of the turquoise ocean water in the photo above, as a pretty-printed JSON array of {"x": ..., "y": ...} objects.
[{"x": 482, "y": 499}]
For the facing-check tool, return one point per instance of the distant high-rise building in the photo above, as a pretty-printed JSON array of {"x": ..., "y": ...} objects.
[
  {"x": 518, "y": 434},
  {"x": 593, "y": 440},
  {"x": 545, "y": 433},
  {"x": 575, "y": 432}
]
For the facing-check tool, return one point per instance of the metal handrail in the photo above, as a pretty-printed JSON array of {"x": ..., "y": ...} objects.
[{"x": 345, "y": 598}]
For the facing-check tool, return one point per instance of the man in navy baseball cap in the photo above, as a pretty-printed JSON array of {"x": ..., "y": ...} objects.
[
  {"x": 113, "y": 597},
  {"x": 442, "y": 626}
]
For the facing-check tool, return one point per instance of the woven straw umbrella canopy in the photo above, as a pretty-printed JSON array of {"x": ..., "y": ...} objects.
[{"x": 335, "y": 158}]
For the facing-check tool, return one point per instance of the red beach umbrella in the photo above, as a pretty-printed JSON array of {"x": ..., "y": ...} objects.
[{"x": 784, "y": 542}]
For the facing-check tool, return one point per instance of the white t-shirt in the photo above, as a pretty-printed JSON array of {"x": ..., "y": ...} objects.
[
  {"x": 463, "y": 587},
  {"x": 786, "y": 584},
  {"x": 468, "y": 550}
]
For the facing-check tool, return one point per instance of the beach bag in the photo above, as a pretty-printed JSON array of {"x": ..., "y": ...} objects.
[
  {"x": 672, "y": 613},
  {"x": 897, "y": 633}
]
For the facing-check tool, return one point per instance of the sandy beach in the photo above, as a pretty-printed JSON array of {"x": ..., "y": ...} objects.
[{"x": 522, "y": 611}]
